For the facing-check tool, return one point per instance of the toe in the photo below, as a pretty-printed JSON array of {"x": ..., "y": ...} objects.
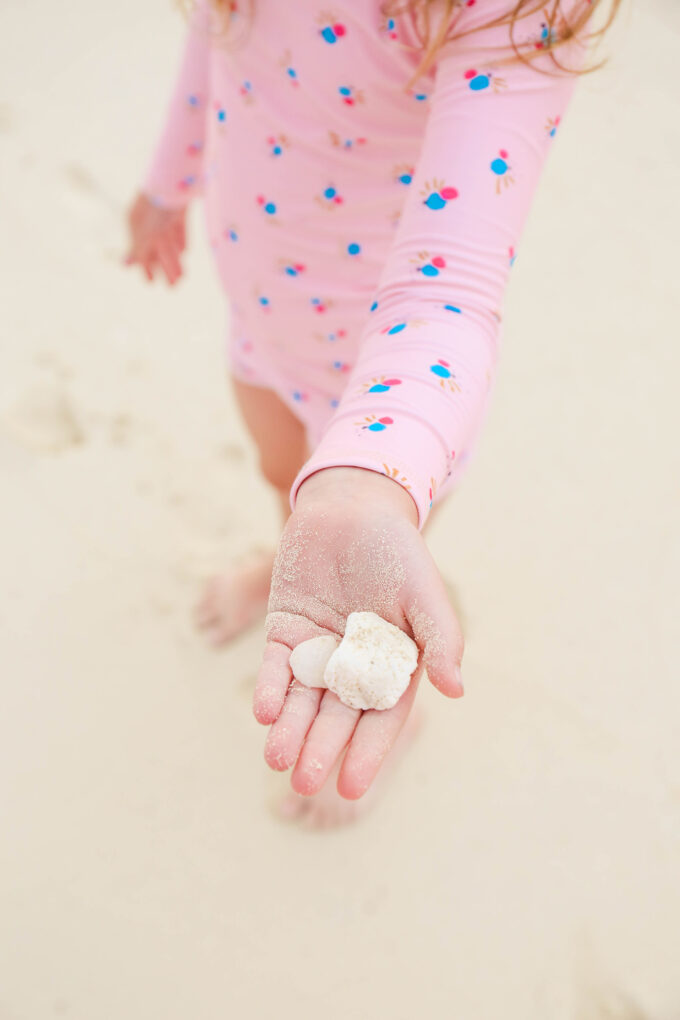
[
  {"x": 207, "y": 608},
  {"x": 219, "y": 634},
  {"x": 329, "y": 811},
  {"x": 292, "y": 807},
  {"x": 204, "y": 615}
]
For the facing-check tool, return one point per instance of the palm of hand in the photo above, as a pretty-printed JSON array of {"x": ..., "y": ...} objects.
[{"x": 333, "y": 560}]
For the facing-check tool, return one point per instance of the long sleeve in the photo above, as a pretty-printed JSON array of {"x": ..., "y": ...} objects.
[
  {"x": 418, "y": 394},
  {"x": 176, "y": 169}
]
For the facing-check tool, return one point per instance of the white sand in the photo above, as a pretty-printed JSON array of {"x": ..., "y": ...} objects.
[{"x": 526, "y": 867}]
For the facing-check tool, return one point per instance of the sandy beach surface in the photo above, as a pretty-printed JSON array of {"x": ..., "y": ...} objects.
[{"x": 524, "y": 864}]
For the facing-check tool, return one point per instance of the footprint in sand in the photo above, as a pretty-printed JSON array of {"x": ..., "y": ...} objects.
[
  {"x": 44, "y": 419},
  {"x": 232, "y": 452},
  {"x": 122, "y": 429},
  {"x": 611, "y": 1006},
  {"x": 88, "y": 200},
  {"x": 80, "y": 178},
  {"x": 85, "y": 184},
  {"x": 49, "y": 362}
]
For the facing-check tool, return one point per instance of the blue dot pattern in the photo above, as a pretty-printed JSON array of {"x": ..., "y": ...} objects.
[{"x": 339, "y": 225}]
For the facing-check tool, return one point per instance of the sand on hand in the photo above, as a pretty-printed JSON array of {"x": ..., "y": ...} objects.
[{"x": 370, "y": 668}]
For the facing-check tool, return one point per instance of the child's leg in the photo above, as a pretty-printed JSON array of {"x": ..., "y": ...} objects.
[
  {"x": 279, "y": 436},
  {"x": 232, "y": 601}
]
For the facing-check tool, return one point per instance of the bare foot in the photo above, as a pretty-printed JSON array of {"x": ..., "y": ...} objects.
[
  {"x": 234, "y": 600},
  {"x": 327, "y": 809}
]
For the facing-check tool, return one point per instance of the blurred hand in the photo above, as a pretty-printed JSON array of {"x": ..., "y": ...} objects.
[
  {"x": 157, "y": 238},
  {"x": 352, "y": 544}
]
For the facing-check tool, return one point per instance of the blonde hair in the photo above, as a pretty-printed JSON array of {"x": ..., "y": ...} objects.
[{"x": 558, "y": 29}]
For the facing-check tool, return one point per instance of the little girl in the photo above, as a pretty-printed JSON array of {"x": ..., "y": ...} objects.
[{"x": 367, "y": 170}]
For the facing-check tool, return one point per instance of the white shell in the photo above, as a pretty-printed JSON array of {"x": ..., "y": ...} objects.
[
  {"x": 308, "y": 660},
  {"x": 372, "y": 666}
]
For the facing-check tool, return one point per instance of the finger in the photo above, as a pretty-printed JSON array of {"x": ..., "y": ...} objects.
[
  {"x": 169, "y": 262},
  {"x": 287, "y": 734},
  {"x": 437, "y": 632},
  {"x": 146, "y": 260},
  {"x": 373, "y": 738},
  {"x": 180, "y": 234},
  {"x": 136, "y": 253},
  {"x": 330, "y": 733},
  {"x": 273, "y": 681},
  {"x": 173, "y": 252}
]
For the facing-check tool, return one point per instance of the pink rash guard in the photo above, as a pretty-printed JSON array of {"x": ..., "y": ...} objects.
[{"x": 363, "y": 232}]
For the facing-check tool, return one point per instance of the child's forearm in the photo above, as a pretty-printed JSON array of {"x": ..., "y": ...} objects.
[
  {"x": 419, "y": 393},
  {"x": 175, "y": 173}
]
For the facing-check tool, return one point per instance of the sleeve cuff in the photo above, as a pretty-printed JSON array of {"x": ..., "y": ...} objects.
[
  {"x": 415, "y": 474},
  {"x": 175, "y": 197}
]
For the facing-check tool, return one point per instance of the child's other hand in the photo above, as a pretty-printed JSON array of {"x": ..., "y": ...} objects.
[
  {"x": 352, "y": 544},
  {"x": 157, "y": 238}
]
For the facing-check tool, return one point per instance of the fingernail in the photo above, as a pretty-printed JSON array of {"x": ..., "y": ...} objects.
[{"x": 458, "y": 678}]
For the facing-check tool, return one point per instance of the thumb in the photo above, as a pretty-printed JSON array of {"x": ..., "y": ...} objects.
[{"x": 437, "y": 632}]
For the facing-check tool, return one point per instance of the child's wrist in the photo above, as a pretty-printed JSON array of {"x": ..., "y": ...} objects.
[{"x": 357, "y": 485}]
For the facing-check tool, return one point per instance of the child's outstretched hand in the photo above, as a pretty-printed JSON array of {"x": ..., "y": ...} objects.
[
  {"x": 352, "y": 544},
  {"x": 157, "y": 238}
]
